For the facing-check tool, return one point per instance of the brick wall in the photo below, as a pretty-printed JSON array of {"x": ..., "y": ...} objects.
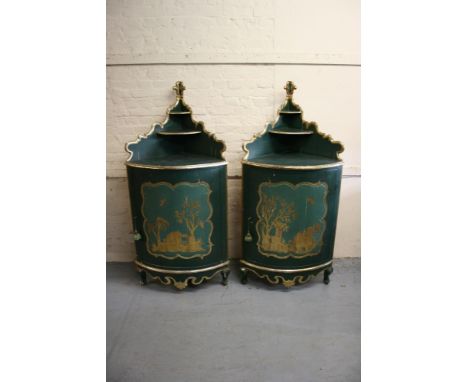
[{"x": 234, "y": 58}]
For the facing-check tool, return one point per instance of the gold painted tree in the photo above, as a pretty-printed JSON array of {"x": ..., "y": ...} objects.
[
  {"x": 286, "y": 214},
  {"x": 156, "y": 228},
  {"x": 278, "y": 214},
  {"x": 159, "y": 226},
  {"x": 188, "y": 215},
  {"x": 266, "y": 213}
]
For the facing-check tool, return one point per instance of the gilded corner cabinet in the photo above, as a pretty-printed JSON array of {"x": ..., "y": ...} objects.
[
  {"x": 291, "y": 186},
  {"x": 177, "y": 183}
]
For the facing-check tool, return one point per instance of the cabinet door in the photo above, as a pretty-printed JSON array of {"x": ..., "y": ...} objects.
[
  {"x": 289, "y": 217},
  {"x": 180, "y": 215},
  {"x": 177, "y": 219}
]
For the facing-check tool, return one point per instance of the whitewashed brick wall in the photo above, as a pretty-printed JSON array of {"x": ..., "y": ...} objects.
[{"x": 234, "y": 58}]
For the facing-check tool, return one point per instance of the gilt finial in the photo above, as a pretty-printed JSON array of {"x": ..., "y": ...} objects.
[
  {"x": 179, "y": 89},
  {"x": 290, "y": 87}
]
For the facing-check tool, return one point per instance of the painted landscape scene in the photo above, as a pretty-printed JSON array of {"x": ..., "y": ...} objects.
[
  {"x": 291, "y": 218},
  {"x": 177, "y": 222}
]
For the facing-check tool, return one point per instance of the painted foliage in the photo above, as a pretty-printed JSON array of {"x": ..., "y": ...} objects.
[
  {"x": 177, "y": 219},
  {"x": 291, "y": 218}
]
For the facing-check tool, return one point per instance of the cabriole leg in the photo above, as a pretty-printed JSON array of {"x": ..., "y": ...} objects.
[
  {"x": 326, "y": 275},
  {"x": 143, "y": 279},
  {"x": 225, "y": 275},
  {"x": 243, "y": 276}
]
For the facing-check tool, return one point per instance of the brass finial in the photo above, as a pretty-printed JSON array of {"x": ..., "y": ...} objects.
[
  {"x": 290, "y": 87},
  {"x": 179, "y": 89}
]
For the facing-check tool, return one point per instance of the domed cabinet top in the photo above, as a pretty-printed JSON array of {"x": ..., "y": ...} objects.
[
  {"x": 178, "y": 142},
  {"x": 292, "y": 143}
]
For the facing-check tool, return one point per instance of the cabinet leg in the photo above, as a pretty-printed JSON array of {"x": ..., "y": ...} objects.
[
  {"x": 143, "y": 279},
  {"x": 243, "y": 276},
  {"x": 326, "y": 275},
  {"x": 225, "y": 275}
]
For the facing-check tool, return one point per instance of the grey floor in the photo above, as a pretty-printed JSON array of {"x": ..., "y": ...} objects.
[{"x": 252, "y": 332}]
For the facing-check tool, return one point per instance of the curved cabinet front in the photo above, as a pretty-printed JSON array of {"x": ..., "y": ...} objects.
[
  {"x": 289, "y": 222},
  {"x": 180, "y": 222}
]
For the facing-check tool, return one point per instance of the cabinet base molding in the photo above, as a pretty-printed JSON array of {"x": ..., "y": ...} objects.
[
  {"x": 287, "y": 277},
  {"x": 181, "y": 278}
]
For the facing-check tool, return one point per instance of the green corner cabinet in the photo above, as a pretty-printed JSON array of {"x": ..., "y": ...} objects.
[
  {"x": 177, "y": 179},
  {"x": 291, "y": 187}
]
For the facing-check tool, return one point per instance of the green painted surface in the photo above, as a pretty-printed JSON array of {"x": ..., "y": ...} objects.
[
  {"x": 179, "y": 214},
  {"x": 289, "y": 149},
  {"x": 176, "y": 149},
  {"x": 290, "y": 214},
  {"x": 293, "y": 159}
]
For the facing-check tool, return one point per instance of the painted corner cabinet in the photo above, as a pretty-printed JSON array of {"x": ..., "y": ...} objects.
[
  {"x": 177, "y": 180},
  {"x": 291, "y": 187}
]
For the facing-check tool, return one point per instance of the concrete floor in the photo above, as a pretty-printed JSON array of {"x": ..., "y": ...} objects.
[{"x": 251, "y": 333}]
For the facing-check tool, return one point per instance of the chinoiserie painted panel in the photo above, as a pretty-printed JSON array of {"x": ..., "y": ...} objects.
[{"x": 291, "y": 219}]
